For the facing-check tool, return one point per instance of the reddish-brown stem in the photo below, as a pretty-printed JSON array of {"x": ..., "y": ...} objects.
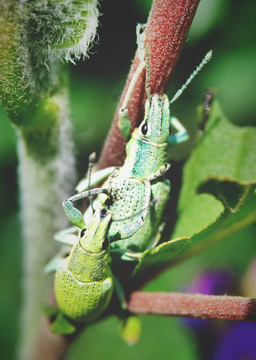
[
  {"x": 194, "y": 305},
  {"x": 166, "y": 31}
]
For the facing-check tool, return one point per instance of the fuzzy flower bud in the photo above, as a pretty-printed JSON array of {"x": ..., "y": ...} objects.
[{"x": 32, "y": 35}]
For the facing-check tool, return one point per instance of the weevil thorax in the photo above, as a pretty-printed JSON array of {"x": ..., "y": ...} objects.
[
  {"x": 89, "y": 257},
  {"x": 146, "y": 150}
]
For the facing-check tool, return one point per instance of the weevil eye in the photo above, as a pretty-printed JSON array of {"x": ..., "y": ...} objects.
[
  {"x": 144, "y": 129},
  {"x": 103, "y": 213},
  {"x": 83, "y": 233},
  {"x": 105, "y": 244}
]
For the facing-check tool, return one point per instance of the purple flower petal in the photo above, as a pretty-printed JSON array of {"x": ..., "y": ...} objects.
[
  {"x": 218, "y": 282},
  {"x": 212, "y": 283},
  {"x": 237, "y": 343}
]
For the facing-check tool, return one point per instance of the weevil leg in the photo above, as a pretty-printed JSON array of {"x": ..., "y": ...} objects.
[
  {"x": 157, "y": 238},
  {"x": 126, "y": 254},
  {"x": 73, "y": 214},
  {"x": 161, "y": 171},
  {"x": 131, "y": 256},
  {"x": 95, "y": 178},
  {"x": 130, "y": 229},
  {"x": 120, "y": 293},
  {"x": 67, "y": 236},
  {"x": 180, "y": 136},
  {"x": 124, "y": 121},
  {"x": 53, "y": 264},
  {"x": 135, "y": 256},
  {"x": 141, "y": 37}
]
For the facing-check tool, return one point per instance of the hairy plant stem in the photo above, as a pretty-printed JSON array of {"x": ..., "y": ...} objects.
[
  {"x": 235, "y": 308},
  {"x": 46, "y": 174}
]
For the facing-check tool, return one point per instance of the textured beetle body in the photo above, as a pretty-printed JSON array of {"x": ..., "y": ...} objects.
[{"x": 83, "y": 281}]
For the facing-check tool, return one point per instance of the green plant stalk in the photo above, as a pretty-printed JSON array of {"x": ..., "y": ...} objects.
[
  {"x": 46, "y": 176},
  {"x": 35, "y": 97},
  {"x": 34, "y": 94}
]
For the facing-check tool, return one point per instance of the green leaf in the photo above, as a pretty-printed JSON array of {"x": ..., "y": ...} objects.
[
  {"x": 241, "y": 215},
  {"x": 224, "y": 150},
  {"x": 230, "y": 192}
]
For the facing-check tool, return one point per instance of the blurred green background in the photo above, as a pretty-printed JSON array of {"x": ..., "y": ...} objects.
[{"x": 228, "y": 27}]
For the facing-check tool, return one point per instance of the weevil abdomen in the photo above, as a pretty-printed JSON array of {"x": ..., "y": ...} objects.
[{"x": 82, "y": 301}]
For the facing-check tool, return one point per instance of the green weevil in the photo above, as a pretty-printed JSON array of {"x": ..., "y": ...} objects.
[
  {"x": 83, "y": 281},
  {"x": 139, "y": 189}
]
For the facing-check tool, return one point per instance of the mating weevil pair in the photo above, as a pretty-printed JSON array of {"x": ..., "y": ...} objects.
[{"x": 124, "y": 219}]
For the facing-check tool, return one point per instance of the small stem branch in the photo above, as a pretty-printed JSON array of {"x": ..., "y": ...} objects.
[
  {"x": 194, "y": 305},
  {"x": 166, "y": 31}
]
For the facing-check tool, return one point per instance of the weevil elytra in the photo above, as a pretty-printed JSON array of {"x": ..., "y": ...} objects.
[
  {"x": 83, "y": 281},
  {"x": 134, "y": 226}
]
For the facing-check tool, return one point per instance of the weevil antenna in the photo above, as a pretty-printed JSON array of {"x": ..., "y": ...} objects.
[
  {"x": 92, "y": 158},
  {"x": 204, "y": 61}
]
